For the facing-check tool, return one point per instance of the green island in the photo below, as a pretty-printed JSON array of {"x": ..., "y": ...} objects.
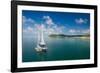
[{"x": 63, "y": 35}]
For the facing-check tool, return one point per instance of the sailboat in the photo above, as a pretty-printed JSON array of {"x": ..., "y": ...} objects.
[{"x": 41, "y": 45}]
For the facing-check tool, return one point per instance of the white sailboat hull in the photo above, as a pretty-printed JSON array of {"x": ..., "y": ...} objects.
[{"x": 41, "y": 49}]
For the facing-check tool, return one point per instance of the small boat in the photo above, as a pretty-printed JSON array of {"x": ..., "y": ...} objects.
[{"x": 41, "y": 45}]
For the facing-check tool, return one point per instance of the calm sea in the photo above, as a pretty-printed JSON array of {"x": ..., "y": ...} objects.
[{"x": 57, "y": 49}]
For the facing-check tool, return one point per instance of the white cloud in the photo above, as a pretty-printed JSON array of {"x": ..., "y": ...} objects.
[
  {"x": 27, "y": 21},
  {"x": 48, "y": 20},
  {"x": 46, "y": 17},
  {"x": 50, "y": 31},
  {"x": 28, "y": 29},
  {"x": 81, "y": 21},
  {"x": 53, "y": 28},
  {"x": 30, "y": 20},
  {"x": 58, "y": 29},
  {"x": 72, "y": 31},
  {"x": 37, "y": 26},
  {"x": 29, "y": 26},
  {"x": 87, "y": 31},
  {"x": 24, "y": 19}
]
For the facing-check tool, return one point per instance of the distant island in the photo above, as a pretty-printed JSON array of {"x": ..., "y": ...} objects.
[{"x": 63, "y": 35}]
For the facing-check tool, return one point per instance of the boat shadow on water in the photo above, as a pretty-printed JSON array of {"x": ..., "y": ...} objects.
[{"x": 42, "y": 55}]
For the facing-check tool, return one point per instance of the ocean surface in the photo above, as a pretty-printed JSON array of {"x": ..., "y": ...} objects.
[{"x": 58, "y": 48}]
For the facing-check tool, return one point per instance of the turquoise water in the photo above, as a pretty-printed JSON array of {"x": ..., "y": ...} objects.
[{"x": 58, "y": 49}]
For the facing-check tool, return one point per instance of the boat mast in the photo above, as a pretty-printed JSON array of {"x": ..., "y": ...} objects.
[
  {"x": 38, "y": 38},
  {"x": 42, "y": 36}
]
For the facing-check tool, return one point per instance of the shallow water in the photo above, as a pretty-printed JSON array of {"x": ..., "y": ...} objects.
[{"x": 57, "y": 49}]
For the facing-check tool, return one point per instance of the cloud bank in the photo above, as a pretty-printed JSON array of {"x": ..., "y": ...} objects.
[
  {"x": 31, "y": 27},
  {"x": 81, "y": 21}
]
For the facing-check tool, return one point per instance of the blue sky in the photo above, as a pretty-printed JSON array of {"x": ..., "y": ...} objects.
[{"x": 56, "y": 22}]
